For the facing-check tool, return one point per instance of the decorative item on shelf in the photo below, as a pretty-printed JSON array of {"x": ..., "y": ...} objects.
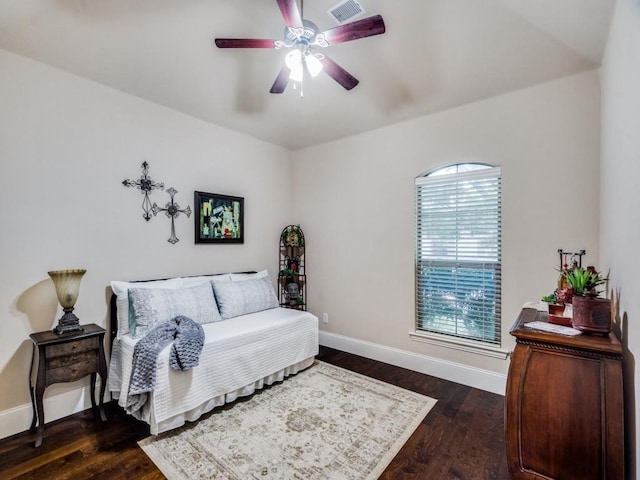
[
  {"x": 67, "y": 283},
  {"x": 292, "y": 280},
  {"x": 145, "y": 185},
  {"x": 591, "y": 314},
  {"x": 293, "y": 293},
  {"x": 172, "y": 210},
  {"x": 292, "y": 263},
  {"x": 557, "y": 310},
  {"x": 576, "y": 261},
  {"x": 558, "y": 303},
  {"x": 292, "y": 236},
  {"x": 292, "y": 286}
]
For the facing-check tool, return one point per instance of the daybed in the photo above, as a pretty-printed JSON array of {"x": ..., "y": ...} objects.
[{"x": 249, "y": 341}]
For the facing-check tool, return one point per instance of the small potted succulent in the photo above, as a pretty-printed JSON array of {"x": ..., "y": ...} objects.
[
  {"x": 590, "y": 313},
  {"x": 556, "y": 309},
  {"x": 554, "y": 306}
]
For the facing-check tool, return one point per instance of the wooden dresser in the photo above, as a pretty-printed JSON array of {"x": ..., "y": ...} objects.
[{"x": 564, "y": 405}]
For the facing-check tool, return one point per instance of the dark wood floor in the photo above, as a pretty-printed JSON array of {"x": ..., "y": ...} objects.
[{"x": 462, "y": 437}]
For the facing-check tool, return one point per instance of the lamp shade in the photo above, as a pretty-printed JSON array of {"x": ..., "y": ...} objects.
[
  {"x": 297, "y": 74},
  {"x": 67, "y": 283},
  {"x": 313, "y": 64},
  {"x": 293, "y": 59}
]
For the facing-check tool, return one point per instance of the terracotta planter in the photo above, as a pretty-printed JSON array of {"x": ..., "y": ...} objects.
[
  {"x": 556, "y": 309},
  {"x": 556, "y": 315},
  {"x": 591, "y": 315}
]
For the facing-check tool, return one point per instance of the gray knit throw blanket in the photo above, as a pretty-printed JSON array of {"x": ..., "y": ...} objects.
[{"x": 187, "y": 337}]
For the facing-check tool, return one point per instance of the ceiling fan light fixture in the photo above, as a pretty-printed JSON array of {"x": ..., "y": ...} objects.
[
  {"x": 293, "y": 59},
  {"x": 313, "y": 65},
  {"x": 297, "y": 73}
]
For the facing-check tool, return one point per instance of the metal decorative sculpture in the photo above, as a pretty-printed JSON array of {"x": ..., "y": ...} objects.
[
  {"x": 145, "y": 185},
  {"x": 172, "y": 210}
]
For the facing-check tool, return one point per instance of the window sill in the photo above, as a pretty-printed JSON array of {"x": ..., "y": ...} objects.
[{"x": 460, "y": 344}]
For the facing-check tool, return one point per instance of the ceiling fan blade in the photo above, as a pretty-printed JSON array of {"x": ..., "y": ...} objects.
[
  {"x": 290, "y": 12},
  {"x": 338, "y": 73},
  {"x": 367, "y": 27},
  {"x": 281, "y": 81},
  {"x": 245, "y": 43}
]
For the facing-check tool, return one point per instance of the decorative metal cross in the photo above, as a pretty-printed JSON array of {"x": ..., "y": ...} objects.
[
  {"x": 173, "y": 211},
  {"x": 145, "y": 185}
]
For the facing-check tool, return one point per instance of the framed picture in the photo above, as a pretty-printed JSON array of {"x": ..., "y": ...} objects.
[{"x": 219, "y": 218}]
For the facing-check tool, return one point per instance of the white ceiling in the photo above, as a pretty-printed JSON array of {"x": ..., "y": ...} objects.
[{"x": 435, "y": 55}]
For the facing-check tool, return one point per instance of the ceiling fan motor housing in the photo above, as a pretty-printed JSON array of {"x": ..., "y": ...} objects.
[{"x": 304, "y": 36}]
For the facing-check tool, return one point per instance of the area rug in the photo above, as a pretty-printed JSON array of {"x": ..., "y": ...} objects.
[{"x": 324, "y": 423}]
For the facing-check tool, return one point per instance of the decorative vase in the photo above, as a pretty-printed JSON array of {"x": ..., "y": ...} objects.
[{"x": 592, "y": 315}]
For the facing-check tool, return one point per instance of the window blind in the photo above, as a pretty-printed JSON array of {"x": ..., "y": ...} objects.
[{"x": 458, "y": 254}]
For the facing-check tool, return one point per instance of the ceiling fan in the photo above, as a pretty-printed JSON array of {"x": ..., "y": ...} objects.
[{"x": 305, "y": 42}]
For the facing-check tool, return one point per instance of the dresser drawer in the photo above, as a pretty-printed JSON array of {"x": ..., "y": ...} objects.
[
  {"x": 72, "y": 372},
  {"x": 69, "y": 348},
  {"x": 58, "y": 362}
]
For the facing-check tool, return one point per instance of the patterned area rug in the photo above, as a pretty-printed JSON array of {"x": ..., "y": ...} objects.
[{"x": 323, "y": 423}]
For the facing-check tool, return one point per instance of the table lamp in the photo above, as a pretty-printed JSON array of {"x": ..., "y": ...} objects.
[{"x": 67, "y": 283}]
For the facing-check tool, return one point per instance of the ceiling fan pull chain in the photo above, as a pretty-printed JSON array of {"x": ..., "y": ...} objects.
[{"x": 295, "y": 87}]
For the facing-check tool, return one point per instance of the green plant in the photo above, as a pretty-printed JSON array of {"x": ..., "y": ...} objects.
[
  {"x": 584, "y": 281},
  {"x": 552, "y": 298},
  {"x": 287, "y": 272}
]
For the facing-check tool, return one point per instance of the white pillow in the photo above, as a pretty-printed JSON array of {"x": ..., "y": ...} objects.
[
  {"x": 121, "y": 290},
  {"x": 199, "y": 280},
  {"x": 154, "y": 306},
  {"x": 241, "y": 277},
  {"x": 247, "y": 296}
]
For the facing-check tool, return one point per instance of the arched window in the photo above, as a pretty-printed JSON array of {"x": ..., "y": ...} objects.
[{"x": 458, "y": 252}]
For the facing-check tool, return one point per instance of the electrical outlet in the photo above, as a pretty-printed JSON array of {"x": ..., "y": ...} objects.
[{"x": 325, "y": 318}]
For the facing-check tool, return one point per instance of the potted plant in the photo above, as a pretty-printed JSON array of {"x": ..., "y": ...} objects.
[
  {"x": 552, "y": 304},
  {"x": 590, "y": 313},
  {"x": 556, "y": 309},
  {"x": 286, "y": 275}
]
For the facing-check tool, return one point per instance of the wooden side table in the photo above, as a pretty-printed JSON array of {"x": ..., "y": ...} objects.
[
  {"x": 66, "y": 358},
  {"x": 564, "y": 413}
]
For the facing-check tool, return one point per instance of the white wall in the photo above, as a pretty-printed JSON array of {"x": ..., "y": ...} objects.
[
  {"x": 66, "y": 144},
  {"x": 620, "y": 195},
  {"x": 355, "y": 200}
]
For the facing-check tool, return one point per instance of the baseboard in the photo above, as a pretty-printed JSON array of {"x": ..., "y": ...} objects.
[
  {"x": 455, "y": 372},
  {"x": 18, "y": 419}
]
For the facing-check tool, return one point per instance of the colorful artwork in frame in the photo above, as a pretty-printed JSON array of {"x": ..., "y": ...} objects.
[{"x": 219, "y": 218}]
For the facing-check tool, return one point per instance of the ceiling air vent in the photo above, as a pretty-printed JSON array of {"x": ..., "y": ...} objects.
[{"x": 346, "y": 11}]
